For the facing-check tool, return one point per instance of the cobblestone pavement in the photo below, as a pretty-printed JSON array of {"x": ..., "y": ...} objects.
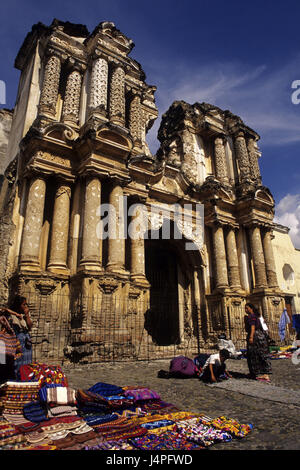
[{"x": 273, "y": 409}]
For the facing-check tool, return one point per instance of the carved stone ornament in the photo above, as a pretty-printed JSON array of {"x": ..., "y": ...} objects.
[
  {"x": 98, "y": 84},
  {"x": 60, "y": 132},
  {"x": 135, "y": 120},
  {"x": 50, "y": 85},
  {"x": 108, "y": 285},
  {"x": 134, "y": 293},
  {"x": 72, "y": 97},
  {"x": 155, "y": 220},
  {"x": 46, "y": 286},
  {"x": 276, "y": 300},
  {"x": 117, "y": 95},
  {"x": 194, "y": 234}
]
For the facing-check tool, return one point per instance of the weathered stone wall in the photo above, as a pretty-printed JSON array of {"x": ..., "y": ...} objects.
[
  {"x": 5, "y": 126},
  {"x": 7, "y": 201}
]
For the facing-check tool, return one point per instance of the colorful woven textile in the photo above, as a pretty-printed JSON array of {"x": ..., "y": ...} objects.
[
  {"x": 35, "y": 412},
  {"x": 166, "y": 441},
  {"x": 43, "y": 373},
  {"x": 141, "y": 394},
  {"x": 231, "y": 426},
  {"x": 14, "y": 395},
  {"x": 7, "y": 430},
  {"x": 10, "y": 345},
  {"x": 62, "y": 410},
  {"x": 109, "y": 445},
  {"x": 105, "y": 389},
  {"x": 195, "y": 431},
  {"x": 87, "y": 398},
  {"x": 43, "y": 391},
  {"x": 93, "y": 419},
  {"x": 157, "y": 424}
]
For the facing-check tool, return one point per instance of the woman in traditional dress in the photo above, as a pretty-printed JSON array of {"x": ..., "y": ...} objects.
[
  {"x": 10, "y": 350},
  {"x": 257, "y": 346},
  {"x": 21, "y": 323}
]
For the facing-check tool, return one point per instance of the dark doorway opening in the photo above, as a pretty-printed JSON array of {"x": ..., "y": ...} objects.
[{"x": 162, "y": 319}]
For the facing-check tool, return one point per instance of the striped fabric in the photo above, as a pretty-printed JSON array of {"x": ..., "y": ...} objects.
[
  {"x": 61, "y": 396},
  {"x": 14, "y": 395},
  {"x": 10, "y": 345}
]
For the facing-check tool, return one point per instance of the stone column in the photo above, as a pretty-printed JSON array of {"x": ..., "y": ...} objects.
[
  {"x": 269, "y": 259},
  {"x": 220, "y": 161},
  {"x": 242, "y": 156},
  {"x": 258, "y": 257},
  {"x": 98, "y": 86},
  {"x": 117, "y": 96},
  {"x": 60, "y": 228},
  {"x": 220, "y": 257},
  {"x": 71, "y": 106},
  {"x": 232, "y": 259},
  {"x": 135, "y": 121},
  {"x": 91, "y": 219},
  {"x": 49, "y": 93},
  {"x": 29, "y": 254},
  {"x": 116, "y": 238},
  {"x": 136, "y": 233},
  {"x": 253, "y": 159}
]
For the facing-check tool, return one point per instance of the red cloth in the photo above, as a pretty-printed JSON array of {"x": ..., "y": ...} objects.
[{"x": 44, "y": 373}]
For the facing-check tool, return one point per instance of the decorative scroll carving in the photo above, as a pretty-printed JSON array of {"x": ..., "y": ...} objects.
[
  {"x": 188, "y": 231},
  {"x": 72, "y": 97},
  {"x": 155, "y": 220},
  {"x": 185, "y": 226},
  {"x": 98, "y": 85},
  {"x": 117, "y": 96},
  {"x": 50, "y": 85}
]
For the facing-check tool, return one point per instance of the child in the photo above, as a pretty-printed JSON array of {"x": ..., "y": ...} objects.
[{"x": 215, "y": 368}]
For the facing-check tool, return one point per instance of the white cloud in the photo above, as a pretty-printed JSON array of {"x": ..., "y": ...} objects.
[
  {"x": 261, "y": 96},
  {"x": 287, "y": 212}
]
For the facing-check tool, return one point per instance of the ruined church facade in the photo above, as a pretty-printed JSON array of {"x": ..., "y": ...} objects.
[{"x": 77, "y": 143}]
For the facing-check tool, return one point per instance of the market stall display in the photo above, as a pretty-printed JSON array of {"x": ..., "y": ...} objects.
[{"x": 43, "y": 413}]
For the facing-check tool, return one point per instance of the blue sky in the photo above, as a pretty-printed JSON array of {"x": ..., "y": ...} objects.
[{"x": 242, "y": 56}]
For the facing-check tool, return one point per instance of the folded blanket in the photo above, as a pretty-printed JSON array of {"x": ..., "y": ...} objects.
[
  {"x": 141, "y": 394},
  {"x": 59, "y": 411},
  {"x": 35, "y": 412},
  {"x": 43, "y": 391},
  {"x": 61, "y": 396},
  {"x": 105, "y": 389},
  {"x": 86, "y": 398}
]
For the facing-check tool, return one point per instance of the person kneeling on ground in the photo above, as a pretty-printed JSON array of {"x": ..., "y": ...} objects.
[{"x": 215, "y": 368}]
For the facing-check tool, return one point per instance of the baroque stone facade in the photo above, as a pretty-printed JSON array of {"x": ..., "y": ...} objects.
[{"x": 78, "y": 143}]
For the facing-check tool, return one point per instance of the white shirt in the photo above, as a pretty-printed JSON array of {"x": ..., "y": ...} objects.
[{"x": 213, "y": 359}]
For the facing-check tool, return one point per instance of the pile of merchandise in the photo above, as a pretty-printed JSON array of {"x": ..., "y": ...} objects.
[
  {"x": 41, "y": 412},
  {"x": 284, "y": 352}
]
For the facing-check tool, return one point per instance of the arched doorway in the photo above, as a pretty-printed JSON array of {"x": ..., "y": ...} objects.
[{"x": 174, "y": 313}]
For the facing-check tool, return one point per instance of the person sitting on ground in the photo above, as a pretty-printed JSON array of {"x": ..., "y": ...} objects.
[{"x": 215, "y": 368}]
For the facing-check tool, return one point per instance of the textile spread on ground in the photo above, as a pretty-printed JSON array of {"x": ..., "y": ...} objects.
[{"x": 41, "y": 412}]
